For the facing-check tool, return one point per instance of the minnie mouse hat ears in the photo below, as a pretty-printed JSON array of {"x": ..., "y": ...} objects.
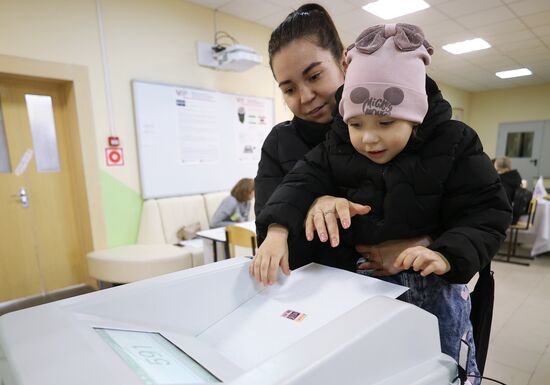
[{"x": 386, "y": 73}]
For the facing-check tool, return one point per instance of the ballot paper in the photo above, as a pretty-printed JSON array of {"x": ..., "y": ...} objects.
[{"x": 282, "y": 314}]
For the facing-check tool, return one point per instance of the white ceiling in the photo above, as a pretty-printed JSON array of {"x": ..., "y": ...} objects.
[{"x": 518, "y": 30}]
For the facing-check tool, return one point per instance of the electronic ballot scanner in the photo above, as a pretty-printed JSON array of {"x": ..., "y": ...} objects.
[{"x": 214, "y": 324}]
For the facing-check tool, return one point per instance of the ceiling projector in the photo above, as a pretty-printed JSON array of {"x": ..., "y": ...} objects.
[{"x": 236, "y": 57}]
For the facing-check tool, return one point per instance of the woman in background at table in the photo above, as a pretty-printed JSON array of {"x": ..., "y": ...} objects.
[{"x": 236, "y": 207}]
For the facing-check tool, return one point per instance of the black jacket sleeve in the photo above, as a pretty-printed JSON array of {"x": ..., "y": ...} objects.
[
  {"x": 309, "y": 179},
  {"x": 270, "y": 173},
  {"x": 475, "y": 212}
]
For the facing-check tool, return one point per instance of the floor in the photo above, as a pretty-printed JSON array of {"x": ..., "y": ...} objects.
[{"x": 519, "y": 351}]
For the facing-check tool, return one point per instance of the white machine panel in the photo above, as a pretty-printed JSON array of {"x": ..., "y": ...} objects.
[{"x": 214, "y": 324}]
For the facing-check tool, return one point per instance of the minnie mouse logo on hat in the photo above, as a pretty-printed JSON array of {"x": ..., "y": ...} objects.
[{"x": 393, "y": 96}]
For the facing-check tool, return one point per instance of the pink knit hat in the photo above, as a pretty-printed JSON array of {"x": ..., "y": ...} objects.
[{"x": 386, "y": 73}]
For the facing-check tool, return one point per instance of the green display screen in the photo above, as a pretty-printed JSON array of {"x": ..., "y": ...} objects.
[{"x": 154, "y": 359}]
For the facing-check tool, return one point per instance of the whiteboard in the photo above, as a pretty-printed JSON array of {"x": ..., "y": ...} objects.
[{"x": 194, "y": 141}]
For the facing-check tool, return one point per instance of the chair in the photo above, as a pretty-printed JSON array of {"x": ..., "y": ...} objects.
[
  {"x": 513, "y": 231},
  {"x": 237, "y": 236}
]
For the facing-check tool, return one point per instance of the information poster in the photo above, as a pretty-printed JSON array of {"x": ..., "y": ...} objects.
[{"x": 254, "y": 125}]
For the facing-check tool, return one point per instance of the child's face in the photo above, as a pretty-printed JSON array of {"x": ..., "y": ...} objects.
[
  {"x": 308, "y": 77},
  {"x": 379, "y": 138}
]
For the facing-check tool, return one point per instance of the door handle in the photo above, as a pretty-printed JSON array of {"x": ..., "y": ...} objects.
[
  {"x": 23, "y": 197},
  {"x": 534, "y": 161}
]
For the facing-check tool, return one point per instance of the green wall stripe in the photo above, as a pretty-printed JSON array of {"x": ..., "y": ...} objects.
[{"x": 122, "y": 210}]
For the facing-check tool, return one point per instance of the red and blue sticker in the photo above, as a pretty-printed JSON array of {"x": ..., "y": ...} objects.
[{"x": 294, "y": 315}]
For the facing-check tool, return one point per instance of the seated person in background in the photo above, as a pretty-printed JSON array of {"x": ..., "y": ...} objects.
[
  {"x": 509, "y": 178},
  {"x": 236, "y": 207}
]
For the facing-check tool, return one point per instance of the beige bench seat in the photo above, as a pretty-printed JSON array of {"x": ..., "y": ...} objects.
[
  {"x": 154, "y": 252},
  {"x": 135, "y": 262}
]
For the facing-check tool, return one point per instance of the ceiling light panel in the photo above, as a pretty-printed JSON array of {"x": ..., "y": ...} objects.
[
  {"x": 390, "y": 9},
  {"x": 466, "y": 46},
  {"x": 514, "y": 73}
]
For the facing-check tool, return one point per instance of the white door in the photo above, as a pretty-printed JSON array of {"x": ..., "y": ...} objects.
[{"x": 522, "y": 143}]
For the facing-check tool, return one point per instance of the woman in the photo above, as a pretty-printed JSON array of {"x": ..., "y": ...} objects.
[
  {"x": 236, "y": 207},
  {"x": 306, "y": 57}
]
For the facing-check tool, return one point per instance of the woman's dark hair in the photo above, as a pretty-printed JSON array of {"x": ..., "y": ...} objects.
[
  {"x": 241, "y": 191},
  {"x": 310, "y": 21}
]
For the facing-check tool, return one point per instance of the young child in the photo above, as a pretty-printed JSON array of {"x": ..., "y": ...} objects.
[{"x": 419, "y": 171}]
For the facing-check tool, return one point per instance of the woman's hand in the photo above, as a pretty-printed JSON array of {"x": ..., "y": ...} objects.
[
  {"x": 424, "y": 260},
  {"x": 380, "y": 265},
  {"x": 272, "y": 253},
  {"x": 381, "y": 257},
  {"x": 323, "y": 214}
]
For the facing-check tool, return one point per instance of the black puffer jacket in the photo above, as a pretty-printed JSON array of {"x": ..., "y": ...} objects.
[
  {"x": 287, "y": 143},
  {"x": 511, "y": 180},
  {"x": 442, "y": 184}
]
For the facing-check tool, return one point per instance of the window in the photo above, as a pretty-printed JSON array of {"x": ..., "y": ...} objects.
[
  {"x": 40, "y": 111},
  {"x": 4, "y": 157},
  {"x": 519, "y": 144}
]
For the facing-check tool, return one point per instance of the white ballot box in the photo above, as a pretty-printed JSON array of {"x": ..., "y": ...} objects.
[{"x": 214, "y": 324}]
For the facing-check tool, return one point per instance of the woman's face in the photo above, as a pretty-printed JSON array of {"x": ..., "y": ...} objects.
[{"x": 308, "y": 77}]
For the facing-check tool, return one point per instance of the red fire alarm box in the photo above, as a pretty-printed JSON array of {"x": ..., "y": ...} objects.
[
  {"x": 113, "y": 141},
  {"x": 114, "y": 156}
]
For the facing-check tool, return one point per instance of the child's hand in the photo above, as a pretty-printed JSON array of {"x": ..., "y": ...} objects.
[
  {"x": 272, "y": 253},
  {"x": 422, "y": 259}
]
